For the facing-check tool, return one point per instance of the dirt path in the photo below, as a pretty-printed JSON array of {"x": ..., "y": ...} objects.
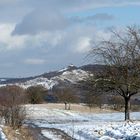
[
  {"x": 57, "y": 132},
  {"x": 37, "y": 135}
]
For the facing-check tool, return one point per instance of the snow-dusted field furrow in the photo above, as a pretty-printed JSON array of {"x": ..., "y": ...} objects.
[{"x": 84, "y": 126}]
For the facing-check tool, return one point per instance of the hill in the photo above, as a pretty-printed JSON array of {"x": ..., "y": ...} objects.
[{"x": 69, "y": 75}]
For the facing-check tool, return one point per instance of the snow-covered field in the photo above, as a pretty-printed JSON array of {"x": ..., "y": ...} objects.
[{"x": 59, "y": 124}]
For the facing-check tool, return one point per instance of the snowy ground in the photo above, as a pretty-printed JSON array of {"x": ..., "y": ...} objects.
[
  {"x": 2, "y": 135},
  {"x": 59, "y": 124}
]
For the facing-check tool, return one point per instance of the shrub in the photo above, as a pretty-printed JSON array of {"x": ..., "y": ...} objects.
[
  {"x": 35, "y": 94},
  {"x": 12, "y": 99}
]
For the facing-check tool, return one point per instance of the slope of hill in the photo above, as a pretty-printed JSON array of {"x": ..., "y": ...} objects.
[
  {"x": 64, "y": 76},
  {"x": 68, "y": 75}
]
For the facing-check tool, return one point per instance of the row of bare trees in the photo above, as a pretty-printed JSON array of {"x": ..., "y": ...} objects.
[
  {"x": 12, "y": 100},
  {"x": 67, "y": 96}
]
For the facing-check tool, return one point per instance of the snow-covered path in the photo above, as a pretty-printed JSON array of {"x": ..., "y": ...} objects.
[{"x": 84, "y": 126}]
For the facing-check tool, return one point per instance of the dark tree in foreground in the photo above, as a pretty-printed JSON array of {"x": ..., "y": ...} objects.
[{"x": 121, "y": 57}]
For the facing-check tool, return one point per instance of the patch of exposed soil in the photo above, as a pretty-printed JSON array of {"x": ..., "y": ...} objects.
[
  {"x": 35, "y": 131},
  {"x": 58, "y": 132}
]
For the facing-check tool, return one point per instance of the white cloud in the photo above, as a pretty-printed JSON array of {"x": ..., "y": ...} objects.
[
  {"x": 83, "y": 45},
  {"x": 77, "y": 39},
  {"x": 34, "y": 61},
  {"x": 7, "y": 41},
  {"x": 52, "y": 38},
  {"x": 102, "y": 35}
]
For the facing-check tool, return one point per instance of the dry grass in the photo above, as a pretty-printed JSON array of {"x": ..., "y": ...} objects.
[
  {"x": 19, "y": 134},
  {"x": 76, "y": 107}
]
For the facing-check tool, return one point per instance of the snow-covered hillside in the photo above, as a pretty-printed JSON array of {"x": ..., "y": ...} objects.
[
  {"x": 67, "y": 75},
  {"x": 38, "y": 81}
]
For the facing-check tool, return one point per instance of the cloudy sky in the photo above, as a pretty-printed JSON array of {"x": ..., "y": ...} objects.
[{"x": 38, "y": 36}]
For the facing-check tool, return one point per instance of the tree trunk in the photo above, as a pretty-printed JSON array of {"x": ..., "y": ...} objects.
[
  {"x": 127, "y": 108},
  {"x": 69, "y": 107},
  {"x": 65, "y": 105}
]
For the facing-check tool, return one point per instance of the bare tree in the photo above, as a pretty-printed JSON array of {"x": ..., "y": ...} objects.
[
  {"x": 11, "y": 100},
  {"x": 116, "y": 102},
  {"x": 66, "y": 95},
  {"x": 91, "y": 99},
  {"x": 120, "y": 56}
]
